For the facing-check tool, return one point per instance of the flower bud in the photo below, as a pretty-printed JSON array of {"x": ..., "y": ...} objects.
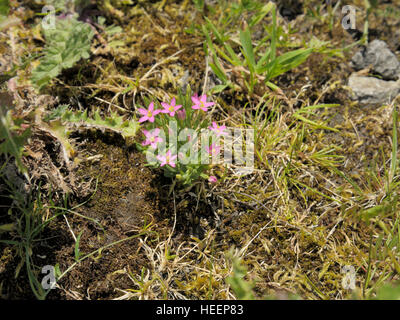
[
  {"x": 181, "y": 114},
  {"x": 212, "y": 179}
]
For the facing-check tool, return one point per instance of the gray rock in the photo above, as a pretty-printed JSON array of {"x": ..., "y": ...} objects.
[
  {"x": 383, "y": 61},
  {"x": 370, "y": 90}
]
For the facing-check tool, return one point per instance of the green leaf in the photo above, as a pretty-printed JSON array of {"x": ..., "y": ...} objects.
[
  {"x": 261, "y": 14},
  {"x": 264, "y": 59},
  {"x": 388, "y": 292},
  {"x": 7, "y": 227},
  {"x": 219, "y": 88},
  {"x": 127, "y": 128},
  {"x": 4, "y": 9},
  {"x": 393, "y": 162},
  {"x": 286, "y": 62},
  {"x": 245, "y": 39},
  {"x": 12, "y": 143},
  {"x": 57, "y": 271},
  {"x": 313, "y": 123},
  {"x": 378, "y": 210},
  {"x": 274, "y": 36},
  {"x": 77, "y": 251},
  {"x": 66, "y": 44},
  {"x": 242, "y": 288},
  {"x": 234, "y": 59}
]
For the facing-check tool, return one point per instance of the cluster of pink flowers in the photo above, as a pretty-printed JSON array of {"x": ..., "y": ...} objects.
[
  {"x": 152, "y": 138},
  {"x": 200, "y": 103}
]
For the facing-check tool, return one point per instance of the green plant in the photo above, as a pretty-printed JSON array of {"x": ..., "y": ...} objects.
[
  {"x": 383, "y": 219},
  {"x": 27, "y": 213},
  {"x": 180, "y": 135},
  {"x": 66, "y": 44},
  {"x": 388, "y": 292},
  {"x": 61, "y": 121},
  {"x": 370, "y": 6},
  {"x": 12, "y": 137},
  {"x": 242, "y": 288},
  {"x": 4, "y": 9},
  {"x": 254, "y": 66},
  {"x": 31, "y": 213},
  {"x": 199, "y": 4}
]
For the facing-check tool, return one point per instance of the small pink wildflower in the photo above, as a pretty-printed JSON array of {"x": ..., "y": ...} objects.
[
  {"x": 213, "y": 149},
  {"x": 212, "y": 179},
  {"x": 167, "y": 159},
  {"x": 219, "y": 130},
  {"x": 170, "y": 108},
  {"x": 201, "y": 103},
  {"x": 181, "y": 114},
  {"x": 152, "y": 138},
  {"x": 148, "y": 114}
]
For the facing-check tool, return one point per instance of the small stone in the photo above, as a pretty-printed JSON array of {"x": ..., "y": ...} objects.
[
  {"x": 378, "y": 55},
  {"x": 370, "y": 90}
]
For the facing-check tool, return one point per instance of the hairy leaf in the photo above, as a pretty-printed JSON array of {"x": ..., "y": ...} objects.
[
  {"x": 127, "y": 128},
  {"x": 66, "y": 44},
  {"x": 61, "y": 119}
]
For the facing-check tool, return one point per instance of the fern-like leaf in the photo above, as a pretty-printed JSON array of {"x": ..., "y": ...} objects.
[
  {"x": 126, "y": 128},
  {"x": 61, "y": 121},
  {"x": 66, "y": 44}
]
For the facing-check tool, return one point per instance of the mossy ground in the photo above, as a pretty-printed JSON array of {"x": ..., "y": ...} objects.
[{"x": 295, "y": 221}]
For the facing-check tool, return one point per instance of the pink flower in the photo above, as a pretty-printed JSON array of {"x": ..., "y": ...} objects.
[
  {"x": 148, "y": 114},
  {"x": 213, "y": 149},
  {"x": 170, "y": 108},
  {"x": 212, "y": 179},
  {"x": 219, "y": 130},
  {"x": 181, "y": 114},
  {"x": 201, "y": 103},
  {"x": 167, "y": 159},
  {"x": 152, "y": 138}
]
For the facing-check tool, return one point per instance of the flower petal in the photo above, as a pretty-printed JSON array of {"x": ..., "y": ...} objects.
[
  {"x": 195, "y": 100},
  {"x": 142, "y": 111},
  {"x": 143, "y": 119}
]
